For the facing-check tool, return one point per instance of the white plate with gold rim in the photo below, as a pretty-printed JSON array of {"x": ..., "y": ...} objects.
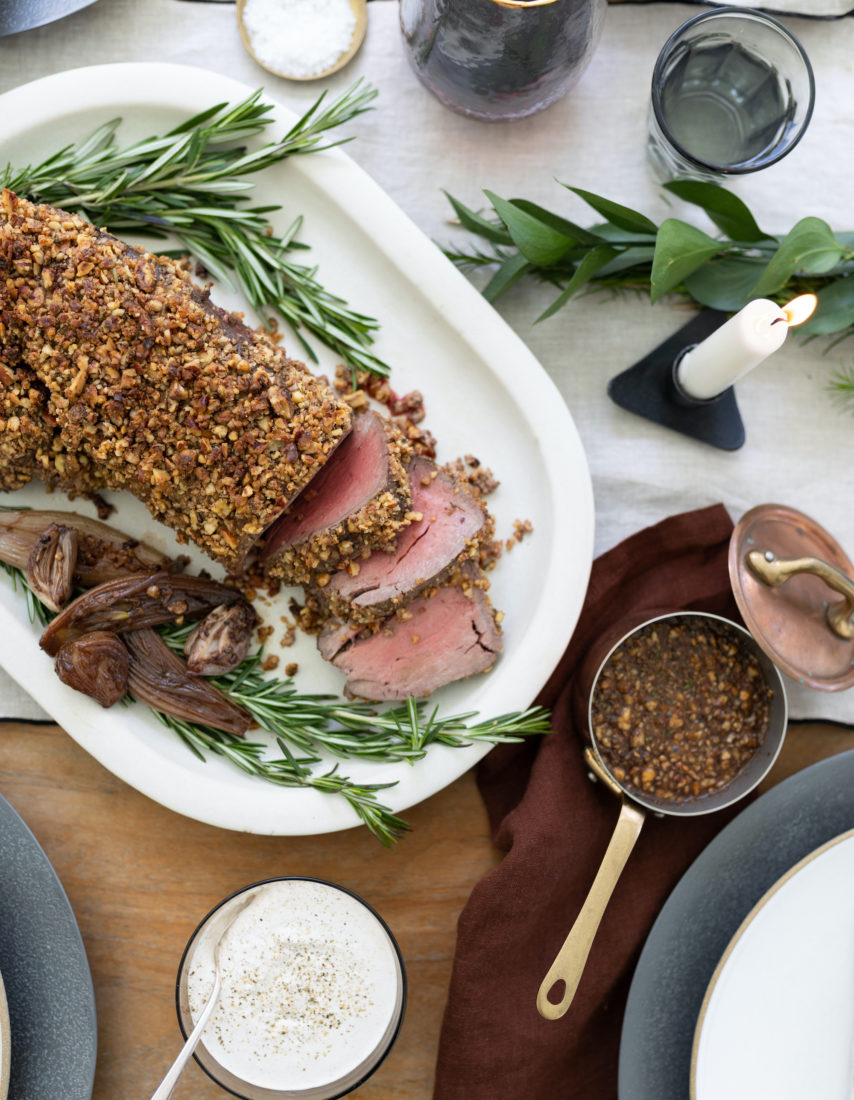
[
  {"x": 485, "y": 394},
  {"x": 778, "y": 1016}
]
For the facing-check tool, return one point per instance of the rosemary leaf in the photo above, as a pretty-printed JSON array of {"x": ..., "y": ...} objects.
[{"x": 191, "y": 184}]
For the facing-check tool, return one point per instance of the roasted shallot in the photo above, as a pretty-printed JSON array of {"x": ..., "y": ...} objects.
[
  {"x": 159, "y": 678},
  {"x": 96, "y": 664},
  {"x": 50, "y": 566},
  {"x": 103, "y": 554},
  {"x": 130, "y": 603},
  {"x": 221, "y": 640}
]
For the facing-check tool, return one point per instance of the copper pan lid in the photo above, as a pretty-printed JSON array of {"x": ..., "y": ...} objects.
[{"x": 794, "y": 587}]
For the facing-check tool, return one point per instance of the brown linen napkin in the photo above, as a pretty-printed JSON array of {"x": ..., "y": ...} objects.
[{"x": 555, "y": 826}]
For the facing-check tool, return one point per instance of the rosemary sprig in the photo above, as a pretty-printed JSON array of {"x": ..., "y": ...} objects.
[
  {"x": 315, "y": 723},
  {"x": 292, "y": 771},
  {"x": 192, "y": 184},
  {"x": 36, "y": 610},
  {"x": 357, "y": 729},
  {"x": 629, "y": 251}
]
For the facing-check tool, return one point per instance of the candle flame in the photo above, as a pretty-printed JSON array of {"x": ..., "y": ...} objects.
[{"x": 800, "y": 309}]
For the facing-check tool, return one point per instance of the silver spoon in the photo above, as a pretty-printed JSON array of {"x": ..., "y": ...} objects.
[{"x": 218, "y": 927}]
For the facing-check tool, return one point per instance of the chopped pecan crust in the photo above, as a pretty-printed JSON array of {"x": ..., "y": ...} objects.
[{"x": 119, "y": 373}]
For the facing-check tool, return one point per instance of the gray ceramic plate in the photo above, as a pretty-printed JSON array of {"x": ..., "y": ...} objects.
[
  {"x": 46, "y": 974},
  {"x": 5, "y": 1043},
  {"x": 22, "y": 15},
  {"x": 705, "y": 910}
]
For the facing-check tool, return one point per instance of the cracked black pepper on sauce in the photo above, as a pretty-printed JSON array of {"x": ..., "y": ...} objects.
[{"x": 679, "y": 709}]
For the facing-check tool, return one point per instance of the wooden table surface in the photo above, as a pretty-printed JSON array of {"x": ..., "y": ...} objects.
[{"x": 140, "y": 878}]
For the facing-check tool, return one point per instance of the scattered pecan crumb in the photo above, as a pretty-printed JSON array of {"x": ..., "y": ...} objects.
[
  {"x": 103, "y": 508},
  {"x": 356, "y": 399},
  {"x": 521, "y": 528},
  {"x": 264, "y": 633},
  {"x": 291, "y": 669},
  {"x": 423, "y": 442},
  {"x": 483, "y": 481},
  {"x": 409, "y": 405},
  {"x": 478, "y": 477},
  {"x": 269, "y": 663}
]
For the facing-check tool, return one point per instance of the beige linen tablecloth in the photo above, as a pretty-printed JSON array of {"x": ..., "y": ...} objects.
[{"x": 799, "y": 444}]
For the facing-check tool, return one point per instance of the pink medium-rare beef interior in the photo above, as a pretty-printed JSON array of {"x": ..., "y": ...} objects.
[
  {"x": 357, "y": 470},
  {"x": 448, "y": 637},
  {"x": 334, "y": 636},
  {"x": 450, "y": 517}
]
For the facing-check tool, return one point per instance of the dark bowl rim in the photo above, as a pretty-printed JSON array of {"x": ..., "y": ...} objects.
[{"x": 323, "y": 882}]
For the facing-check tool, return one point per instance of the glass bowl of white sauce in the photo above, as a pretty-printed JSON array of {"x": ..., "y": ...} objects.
[{"x": 313, "y": 992}]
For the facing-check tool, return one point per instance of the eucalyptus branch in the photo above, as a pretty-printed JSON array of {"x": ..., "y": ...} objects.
[
  {"x": 629, "y": 251},
  {"x": 191, "y": 184}
]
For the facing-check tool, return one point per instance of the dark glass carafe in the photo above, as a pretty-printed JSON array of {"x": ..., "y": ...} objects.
[{"x": 500, "y": 59}]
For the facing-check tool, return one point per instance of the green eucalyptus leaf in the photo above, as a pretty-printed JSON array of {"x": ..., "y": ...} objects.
[
  {"x": 621, "y": 216},
  {"x": 509, "y": 273},
  {"x": 606, "y": 231},
  {"x": 680, "y": 249},
  {"x": 636, "y": 256},
  {"x": 835, "y": 309},
  {"x": 724, "y": 283},
  {"x": 595, "y": 259},
  {"x": 809, "y": 246},
  {"x": 724, "y": 208},
  {"x": 475, "y": 223},
  {"x": 538, "y": 242},
  {"x": 556, "y": 222}
]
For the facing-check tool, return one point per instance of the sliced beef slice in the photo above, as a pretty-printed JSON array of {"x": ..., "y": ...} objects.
[
  {"x": 334, "y": 637},
  {"x": 446, "y": 637},
  {"x": 450, "y": 521},
  {"x": 358, "y": 502}
]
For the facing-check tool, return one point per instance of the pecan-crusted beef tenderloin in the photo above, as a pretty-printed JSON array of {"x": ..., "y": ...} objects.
[
  {"x": 157, "y": 390},
  {"x": 358, "y": 502},
  {"x": 449, "y": 524},
  {"x": 30, "y": 446},
  {"x": 24, "y": 434},
  {"x": 447, "y": 635}
]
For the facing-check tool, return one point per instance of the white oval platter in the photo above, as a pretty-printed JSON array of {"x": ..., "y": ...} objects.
[{"x": 485, "y": 395}]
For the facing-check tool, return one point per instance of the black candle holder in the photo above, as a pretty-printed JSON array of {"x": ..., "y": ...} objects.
[{"x": 649, "y": 389}]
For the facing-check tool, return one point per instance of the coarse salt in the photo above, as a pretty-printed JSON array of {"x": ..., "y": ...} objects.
[{"x": 300, "y": 38}]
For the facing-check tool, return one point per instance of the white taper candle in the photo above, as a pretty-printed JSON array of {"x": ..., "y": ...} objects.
[{"x": 731, "y": 351}]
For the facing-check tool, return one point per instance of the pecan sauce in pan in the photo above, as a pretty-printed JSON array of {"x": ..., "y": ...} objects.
[{"x": 679, "y": 709}]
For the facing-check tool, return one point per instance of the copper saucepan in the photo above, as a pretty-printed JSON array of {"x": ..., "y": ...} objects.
[{"x": 571, "y": 959}]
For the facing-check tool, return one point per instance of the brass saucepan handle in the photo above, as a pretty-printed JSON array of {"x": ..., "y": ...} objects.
[
  {"x": 775, "y": 571},
  {"x": 572, "y": 957}
]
